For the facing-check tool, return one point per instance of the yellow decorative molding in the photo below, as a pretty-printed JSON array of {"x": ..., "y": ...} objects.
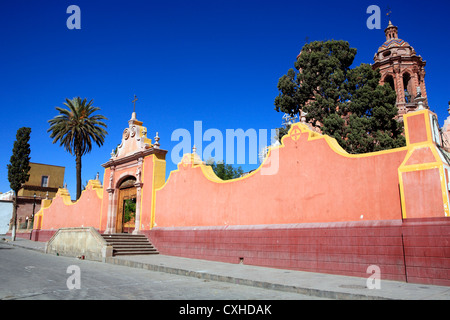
[{"x": 436, "y": 163}]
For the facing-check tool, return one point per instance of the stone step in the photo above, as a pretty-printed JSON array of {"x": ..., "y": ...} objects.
[
  {"x": 130, "y": 244},
  {"x": 133, "y": 253},
  {"x": 124, "y": 236},
  {"x": 134, "y": 249},
  {"x": 126, "y": 240}
]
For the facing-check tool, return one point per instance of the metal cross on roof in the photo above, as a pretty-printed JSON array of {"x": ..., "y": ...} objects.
[
  {"x": 134, "y": 103},
  {"x": 389, "y": 12}
]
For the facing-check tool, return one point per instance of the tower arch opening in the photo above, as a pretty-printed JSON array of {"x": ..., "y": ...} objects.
[
  {"x": 390, "y": 80},
  {"x": 407, "y": 85}
]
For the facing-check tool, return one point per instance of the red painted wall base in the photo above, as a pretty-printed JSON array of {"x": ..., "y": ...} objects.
[
  {"x": 42, "y": 235},
  {"x": 22, "y": 235},
  {"x": 415, "y": 251},
  {"x": 427, "y": 250}
]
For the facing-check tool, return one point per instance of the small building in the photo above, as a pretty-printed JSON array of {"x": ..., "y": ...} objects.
[
  {"x": 43, "y": 183},
  {"x": 6, "y": 207}
]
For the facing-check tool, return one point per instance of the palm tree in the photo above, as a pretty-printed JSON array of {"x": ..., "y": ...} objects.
[{"x": 75, "y": 128}]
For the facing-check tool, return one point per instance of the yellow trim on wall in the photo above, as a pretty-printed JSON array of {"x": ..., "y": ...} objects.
[
  {"x": 334, "y": 145},
  {"x": 159, "y": 173},
  {"x": 143, "y": 134},
  {"x": 158, "y": 180},
  {"x": 301, "y": 129},
  {"x": 101, "y": 207},
  {"x": 312, "y": 136},
  {"x": 445, "y": 191},
  {"x": 437, "y": 164},
  {"x": 426, "y": 114},
  {"x": 402, "y": 193},
  {"x": 65, "y": 196},
  {"x": 153, "y": 202},
  {"x": 445, "y": 198}
]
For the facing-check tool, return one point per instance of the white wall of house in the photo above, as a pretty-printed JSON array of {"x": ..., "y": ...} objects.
[{"x": 6, "y": 209}]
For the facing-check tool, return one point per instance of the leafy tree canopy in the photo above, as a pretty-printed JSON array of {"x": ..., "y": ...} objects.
[
  {"x": 76, "y": 128},
  {"x": 347, "y": 104},
  {"x": 225, "y": 171},
  {"x": 129, "y": 210}
]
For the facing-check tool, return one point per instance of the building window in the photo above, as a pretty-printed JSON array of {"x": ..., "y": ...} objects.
[{"x": 44, "y": 181}]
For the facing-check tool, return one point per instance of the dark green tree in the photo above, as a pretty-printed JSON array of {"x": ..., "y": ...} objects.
[
  {"x": 76, "y": 128},
  {"x": 347, "y": 104},
  {"x": 19, "y": 168},
  {"x": 225, "y": 171},
  {"x": 281, "y": 132},
  {"x": 129, "y": 210}
]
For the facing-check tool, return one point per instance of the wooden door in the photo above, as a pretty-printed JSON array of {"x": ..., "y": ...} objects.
[{"x": 125, "y": 223}]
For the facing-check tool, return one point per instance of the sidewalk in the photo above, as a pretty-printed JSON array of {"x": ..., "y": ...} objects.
[{"x": 314, "y": 284}]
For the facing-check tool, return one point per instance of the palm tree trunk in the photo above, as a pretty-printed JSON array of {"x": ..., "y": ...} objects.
[{"x": 78, "y": 168}]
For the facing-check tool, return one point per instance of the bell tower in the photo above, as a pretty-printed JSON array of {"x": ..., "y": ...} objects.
[{"x": 403, "y": 69}]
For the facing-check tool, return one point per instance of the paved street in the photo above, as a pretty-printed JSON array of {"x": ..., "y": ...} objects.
[{"x": 27, "y": 274}]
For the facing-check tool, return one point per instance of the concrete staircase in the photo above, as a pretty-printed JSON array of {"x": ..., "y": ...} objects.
[{"x": 129, "y": 244}]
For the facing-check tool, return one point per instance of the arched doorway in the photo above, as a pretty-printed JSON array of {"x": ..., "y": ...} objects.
[{"x": 126, "y": 207}]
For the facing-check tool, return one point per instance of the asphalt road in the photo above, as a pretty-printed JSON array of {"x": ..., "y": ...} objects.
[{"x": 31, "y": 275}]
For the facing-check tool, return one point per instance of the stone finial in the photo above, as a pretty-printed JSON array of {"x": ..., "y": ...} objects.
[
  {"x": 419, "y": 92},
  {"x": 194, "y": 149},
  {"x": 156, "y": 144}
]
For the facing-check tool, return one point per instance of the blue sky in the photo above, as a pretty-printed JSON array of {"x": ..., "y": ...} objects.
[{"x": 212, "y": 61}]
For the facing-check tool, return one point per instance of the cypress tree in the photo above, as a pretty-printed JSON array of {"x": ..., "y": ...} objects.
[{"x": 19, "y": 168}]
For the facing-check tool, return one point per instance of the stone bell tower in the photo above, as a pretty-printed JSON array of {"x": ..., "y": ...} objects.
[{"x": 403, "y": 69}]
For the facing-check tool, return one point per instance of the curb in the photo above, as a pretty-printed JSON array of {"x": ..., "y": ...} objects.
[
  {"x": 247, "y": 282},
  {"x": 15, "y": 244}
]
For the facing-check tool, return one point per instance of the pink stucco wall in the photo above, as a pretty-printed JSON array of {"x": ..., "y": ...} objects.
[
  {"x": 63, "y": 213},
  {"x": 313, "y": 183}
]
